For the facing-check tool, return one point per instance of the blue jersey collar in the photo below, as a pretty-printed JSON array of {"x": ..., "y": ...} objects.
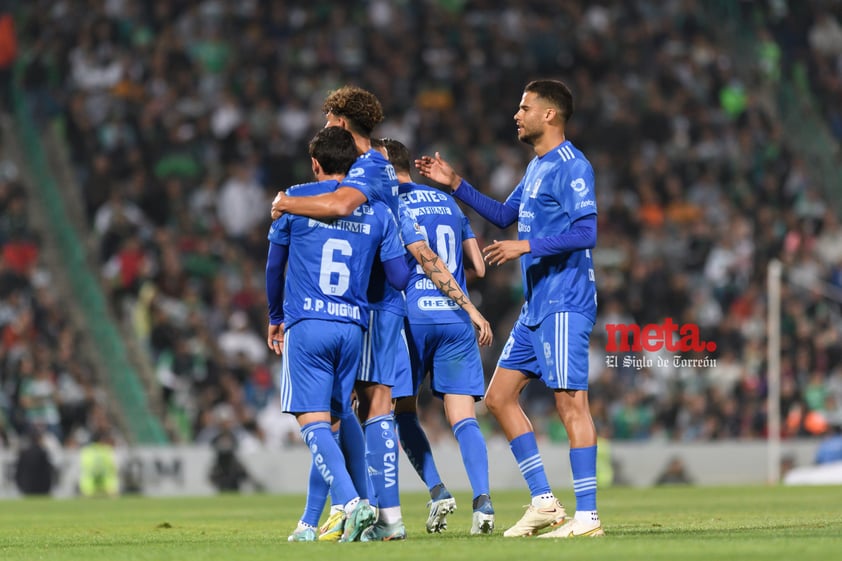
[{"x": 554, "y": 153}]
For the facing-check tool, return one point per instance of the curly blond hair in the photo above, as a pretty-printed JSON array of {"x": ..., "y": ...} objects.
[{"x": 360, "y": 107}]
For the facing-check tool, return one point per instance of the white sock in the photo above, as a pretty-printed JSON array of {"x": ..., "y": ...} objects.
[
  {"x": 334, "y": 509},
  {"x": 390, "y": 515},
  {"x": 351, "y": 505},
  {"x": 589, "y": 516},
  {"x": 303, "y": 526},
  {"x": 545, "y": 500}
]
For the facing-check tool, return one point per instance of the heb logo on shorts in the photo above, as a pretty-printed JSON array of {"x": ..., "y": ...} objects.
[
  {"x": 434, "y": 303},
  {"x": 653, "y": 337}
]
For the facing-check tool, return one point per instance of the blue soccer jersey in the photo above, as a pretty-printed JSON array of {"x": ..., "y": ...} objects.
[
  {"x": 374, "y": 177},
  {"x": 445, "y": 227},
  {"x": 330, "y": 262},
  {"x": 557, "y": 190}
]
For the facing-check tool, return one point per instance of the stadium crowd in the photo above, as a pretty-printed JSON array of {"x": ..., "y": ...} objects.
[
  {"x": 817, "y": 54},
  {"x": 184, "y": 117},
  {"x": 47, "y": 391}
]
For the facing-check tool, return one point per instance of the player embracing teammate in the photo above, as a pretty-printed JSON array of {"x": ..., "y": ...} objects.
[
  {"x": 385, "y": 364},
  {"x": 555, "y": 207}
]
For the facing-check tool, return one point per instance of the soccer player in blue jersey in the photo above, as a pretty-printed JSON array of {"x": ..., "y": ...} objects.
[
  {"x": 555, "y": 208},
  {"x": 442, "y": 343},
  {"x": 318, "y": 314},
  {"x": 385, "y": 361}
]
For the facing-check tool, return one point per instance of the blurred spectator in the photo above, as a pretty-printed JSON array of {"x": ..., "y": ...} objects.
[
  {"x": 239, "y": 342},
  {"x": 241, "y": 203},
  {"x": 675, "y": 473},
  {"x": 825, "y": 35},
  {"x": 830, "y": 449},
  {"x": 98, "y": 474},
  {"x": 6, "y": 441},
  {"x": 34, "y": 471},
  {"x": 228, "y": 472},
  {"x": 38, "y": 398},
  {"x": 8, "y": 55},
  {"x": 224, "y": 423},
  {"x": 279, "y": 429}
]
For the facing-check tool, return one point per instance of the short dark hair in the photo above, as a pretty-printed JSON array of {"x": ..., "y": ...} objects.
[
  {"x": 360, "y": 107},
  {"x": 554, "y": 91},
  {"x": 398, "y": 154},
  {"x": 334, "y": 149}
]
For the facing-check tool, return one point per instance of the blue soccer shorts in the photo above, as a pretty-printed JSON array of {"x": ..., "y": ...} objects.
[
  {"x": 320, "y": 362},
  {"x": 449, "y": 352},
  {"x": 556, "y": 351},
  {"x": 385, "y": 355}
]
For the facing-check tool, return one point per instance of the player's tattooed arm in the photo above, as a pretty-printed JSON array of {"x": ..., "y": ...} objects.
[
  {"x": 443, "y": 280},
  {"x": 431, "y": 263}
]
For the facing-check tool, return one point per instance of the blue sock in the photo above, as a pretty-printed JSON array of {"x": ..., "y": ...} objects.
[
  {"x": 525, "y": 450},
  {"x": 352, "y": 442},
  {"x": 317, "y": 491},
  {"x": 333, "y": 499},
  {"x": 372, "y": 492},
  {"x": 417, "y": 448},
  {"x": 474, "y": 454},
  {"x": 382, "y": 455},
  {"x": 583, "y": 466},
  {"x": 328, "y": 460}
]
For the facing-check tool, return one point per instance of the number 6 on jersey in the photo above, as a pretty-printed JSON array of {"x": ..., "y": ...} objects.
[{"x": 329, "y": 267}]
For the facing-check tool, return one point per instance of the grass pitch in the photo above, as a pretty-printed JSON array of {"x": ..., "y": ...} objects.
[{"x": 684, "y": 523}]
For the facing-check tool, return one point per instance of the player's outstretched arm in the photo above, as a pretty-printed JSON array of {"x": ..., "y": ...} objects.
[
  {"x": 437, "y": 169},
  {"x": 470, "y": 247},
  {"x": 581, "y": 235},
  {"x": 447, "y": 285},
  {"x": 500, "y": 214},
  {"x": 327, "y": 206}
]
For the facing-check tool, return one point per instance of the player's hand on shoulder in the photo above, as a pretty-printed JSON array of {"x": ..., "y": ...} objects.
[{"x": 277, "y": 208}]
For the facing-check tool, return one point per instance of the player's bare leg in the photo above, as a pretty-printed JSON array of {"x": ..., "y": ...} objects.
[
  {"x": 574, "y": 412},
  {"x": 374, "y": 400},
  {"x": 502, "y": 399}
]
